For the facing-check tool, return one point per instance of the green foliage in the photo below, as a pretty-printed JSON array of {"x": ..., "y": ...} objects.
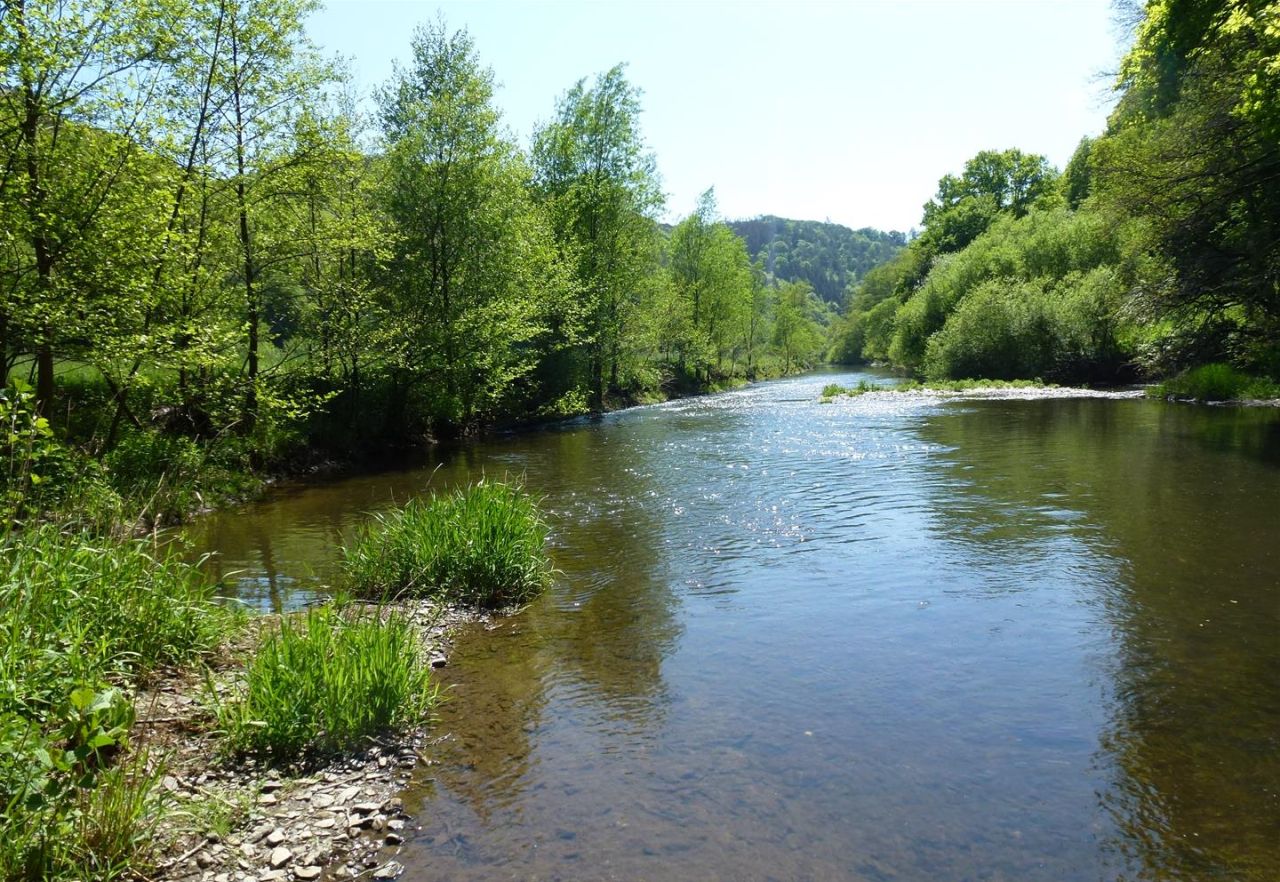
[
  {"x": 83, "y": 620},
  {"x": 1217, "y": 382},
  {"x": 598, "y": 185},
  {"x": 1191, "y": 155},
  {"x": 327, "y": 680},
  {"x": 1052, "y": 280},
  {"x": 830, "y": 257},
  {"x": 482, "y": 546},
  {"x": 77, "y": 611}
]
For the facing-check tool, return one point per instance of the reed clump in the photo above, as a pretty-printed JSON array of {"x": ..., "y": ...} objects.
[
  {"x": 326, "y": 680},
  {"x": 480, "y": 546}
]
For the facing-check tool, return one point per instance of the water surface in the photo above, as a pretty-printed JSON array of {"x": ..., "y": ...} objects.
[{"x": 879, "y": 639}]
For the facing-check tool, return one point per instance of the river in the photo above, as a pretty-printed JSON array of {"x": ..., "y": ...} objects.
[{"x": 885, "y": 638}]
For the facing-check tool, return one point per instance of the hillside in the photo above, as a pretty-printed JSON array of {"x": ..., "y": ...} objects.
[{"x": 828, "y": 256}]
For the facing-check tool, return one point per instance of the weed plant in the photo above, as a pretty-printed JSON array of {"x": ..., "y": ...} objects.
[
  {"x": 326, "y": 680},
  {"x": 482, "y": 546}
]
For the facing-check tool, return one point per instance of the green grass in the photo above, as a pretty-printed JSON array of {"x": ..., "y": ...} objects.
[
  {"x": 324, "y": 682},
  {"x": 84, "y": 620},
  {"x": 1217, "y": 382},
  {"x": 482, "y": 546}
]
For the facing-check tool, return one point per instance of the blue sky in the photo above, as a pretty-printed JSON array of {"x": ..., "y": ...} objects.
[{"x": 848, "y": 111}]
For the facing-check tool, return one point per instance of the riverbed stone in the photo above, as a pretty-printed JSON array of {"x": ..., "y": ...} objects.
[
  {"x": 389, "y": 870},
  {"x": 279, "y": 857},
  {"x": 306, "y": 873}
]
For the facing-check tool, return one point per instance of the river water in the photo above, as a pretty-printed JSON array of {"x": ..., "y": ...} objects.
[{"x": 886, "y": 638}]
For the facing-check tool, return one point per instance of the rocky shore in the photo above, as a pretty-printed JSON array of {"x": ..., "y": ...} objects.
[{"x": 240, "y": 820}]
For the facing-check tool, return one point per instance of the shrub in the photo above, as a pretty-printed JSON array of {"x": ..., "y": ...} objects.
[
  {"x": 1217, "y": 382},
  {"x": 483, "y": 546},
  {"x": 324, "y": 681},
  {"x": 1003, "y": 330}
]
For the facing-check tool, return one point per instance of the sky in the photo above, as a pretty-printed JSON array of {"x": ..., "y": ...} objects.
[{"x": 844, "y": 111}]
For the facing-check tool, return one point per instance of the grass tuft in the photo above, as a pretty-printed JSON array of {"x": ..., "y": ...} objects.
[
  {"x": 481, "y": 546},
  {"x": 325, "y": 681}
]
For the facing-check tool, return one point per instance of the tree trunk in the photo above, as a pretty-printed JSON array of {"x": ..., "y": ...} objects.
[{"x": 252, "y": 308}]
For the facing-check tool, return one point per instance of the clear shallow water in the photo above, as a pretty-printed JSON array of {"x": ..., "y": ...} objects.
[{"x": 871, "y": 640}]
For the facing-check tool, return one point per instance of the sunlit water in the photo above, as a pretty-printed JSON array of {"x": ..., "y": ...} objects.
[{"x": 878, "y": 639}]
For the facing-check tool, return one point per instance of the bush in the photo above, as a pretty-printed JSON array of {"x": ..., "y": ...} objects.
[
  {"x": 1217, "y": 382},
  {"x": 1003, "y": 330},
  {"x": 483, "y": 546},
  {"x": 325, "y": 681}
]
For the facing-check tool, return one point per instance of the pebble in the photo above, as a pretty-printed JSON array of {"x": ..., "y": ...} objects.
[
  {"x": 275, "y": 837},
  {"x": 307, "y": 873},
  {"x": 280, "y": 856},
  {"x": 389, "y": 870}
]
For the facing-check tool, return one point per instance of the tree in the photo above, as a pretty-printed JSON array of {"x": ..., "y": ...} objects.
[
  {"x": 712, "y": 276},
  {"x": 993, "y": 183},
  {"x": 1193, "y": 150},
  {"x": 77, "y": 87},
  {"x": 267, "y": 74},
  {"x": 470, "y": 256},
  {"x": 598, "y": 182}
]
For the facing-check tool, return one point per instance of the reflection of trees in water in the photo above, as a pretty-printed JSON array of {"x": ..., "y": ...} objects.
[
  {"x": 597, "y": 641},
  {"x": 1186, "y": 497}
]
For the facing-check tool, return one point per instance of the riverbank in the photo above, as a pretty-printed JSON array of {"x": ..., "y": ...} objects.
[
  {"x": 1028, "y": 390},
  {"x": 246, "y": 820},
  {"x": 149, "y": 730}
]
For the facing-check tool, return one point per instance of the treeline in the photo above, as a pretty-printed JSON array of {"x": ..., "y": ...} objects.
[
  {"x": 204, "y": 239},
  {"x": 1155, "y": 250},
  {"x": 829, "y": 257}
]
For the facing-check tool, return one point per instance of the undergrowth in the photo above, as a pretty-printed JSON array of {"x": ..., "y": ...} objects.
[
  {"x": 84, "y": 620},
  {"x": 1217, "y": 382}
]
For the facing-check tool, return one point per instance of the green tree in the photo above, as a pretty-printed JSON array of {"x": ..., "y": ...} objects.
[
  {"x": 77, "y": 87},
  {"x": 471, "y": 256},
  {"x": 1193, "y": 151},
  {"x": 598, "y": 182}
]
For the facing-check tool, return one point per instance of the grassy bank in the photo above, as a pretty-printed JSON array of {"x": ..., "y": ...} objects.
[
  {"x": 1217, "y": 382},
  {"x": 85, "y": 622},
  {"x": 90, "y": 620}
]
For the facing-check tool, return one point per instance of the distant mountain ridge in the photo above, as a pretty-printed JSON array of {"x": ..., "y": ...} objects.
[{"x": 826, "y": 255}]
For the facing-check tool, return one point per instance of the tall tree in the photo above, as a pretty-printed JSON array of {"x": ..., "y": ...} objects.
[
  {"x": 599, "y": 182},
  {"x": 77, "y": 88},
  {"x": 466, "y": 274},
  {"x": 268, "y": 73},
  {"x": 1193, "y": 150}
]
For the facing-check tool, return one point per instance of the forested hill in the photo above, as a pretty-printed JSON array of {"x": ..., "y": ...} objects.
[{"x": 828, "y": 256}]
